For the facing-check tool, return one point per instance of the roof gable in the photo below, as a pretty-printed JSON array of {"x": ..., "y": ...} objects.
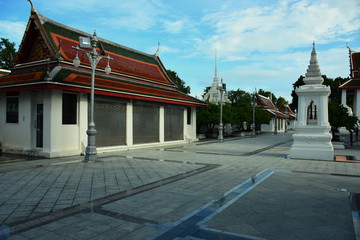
[
  {"x": 33, "y": 47},
  {"x": 45, "y": 38},
  {"x": 265, "y": 102}
]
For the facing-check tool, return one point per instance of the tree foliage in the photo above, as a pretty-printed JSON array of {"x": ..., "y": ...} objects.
[
  {"x": 7, "y": 53},
  {"x": 339, "y": 117},
  {"x": 237, "y": 112},
  {"x": 180, "y": 83},
  {"x": 208, "y": 116},
  {"x": 206, "y": 90}
]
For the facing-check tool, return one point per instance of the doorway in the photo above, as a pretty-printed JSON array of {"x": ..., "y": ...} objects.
[{"x": 39, "y": 125}]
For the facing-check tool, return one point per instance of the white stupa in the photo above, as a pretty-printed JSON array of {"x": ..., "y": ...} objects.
[
  {"x": 213, "y": 95},
  {"x": 312, "y": 139}
]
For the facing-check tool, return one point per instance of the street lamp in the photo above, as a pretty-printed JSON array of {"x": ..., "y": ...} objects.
[
  {"x": 253, "y": 103},
  {"x": 276, "y": 122},
  {"x": 94, "y": 58},
  {"x": 221, "y": 88}
]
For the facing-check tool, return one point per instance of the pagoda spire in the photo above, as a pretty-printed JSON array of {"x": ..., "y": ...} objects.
[
  {"x": 215, "y": 62},
  {"x": 216, "y": 79},
  {"x": 313, "y": 74}
]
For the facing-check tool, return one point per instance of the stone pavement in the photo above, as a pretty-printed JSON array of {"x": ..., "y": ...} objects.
[{"x": 244, "y": 188}]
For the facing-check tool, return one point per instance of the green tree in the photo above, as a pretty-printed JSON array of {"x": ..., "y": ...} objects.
[
  {"x": 241, "y": 105},
  {"x": 206, "y": 90},
  {"x": 261, "y": 116},
  {"x": 281, "y": 102},
  {"x": 239, "y": 97},
  {"x": 180, "y": 83},
  {"x": 7, "y": 53},
  {"x": 208, "y": 116},
  {"x": 338, "y": 117},
  {"x": 294, "y": 102},
  {"x": 268, "y": 94}
]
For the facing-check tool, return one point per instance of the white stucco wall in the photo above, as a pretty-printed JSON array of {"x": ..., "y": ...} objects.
[
  {"x": 66, "y": 140},
  {"x": 17, "y": 136},
  {"x": 190, "y": 129},
  {"x": 2, "y": 116}
]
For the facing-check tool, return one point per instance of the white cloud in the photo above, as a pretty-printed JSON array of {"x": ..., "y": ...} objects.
[
  {"x": 173, "y": 26},
  {"x": 279, "y": 27},
  {"x": 163, "y": 49},
  {"x": 14, "y": 31}
]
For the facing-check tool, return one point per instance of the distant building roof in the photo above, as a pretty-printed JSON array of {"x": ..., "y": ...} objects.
[{"x": 268, "y": 105}]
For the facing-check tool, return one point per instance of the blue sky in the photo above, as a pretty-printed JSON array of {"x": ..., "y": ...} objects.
[{"x": 260, "y": 43}]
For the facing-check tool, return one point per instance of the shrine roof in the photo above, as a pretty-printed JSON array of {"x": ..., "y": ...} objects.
[
  {"x": 60, "y": 39},
  {"x": 268, "y": 105},
  {"x": 351, "y": 84},
  {"x": 265, "y": 102}
]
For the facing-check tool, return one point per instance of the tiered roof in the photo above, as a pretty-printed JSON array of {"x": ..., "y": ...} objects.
[
  {"x": 45, "y": 61},
  {"x": 267, "y": 105},
  {"x": 354, "y": 82}
]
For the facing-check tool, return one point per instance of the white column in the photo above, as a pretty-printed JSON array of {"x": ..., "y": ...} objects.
[
  {"x": 343, "y": 97},
  {"x": 357, "y": 103},
  {"x": 185, "y": 125},
  {"x": 2, "y": 115},
  {"x": 193, "y": 122},
  {"x": 162, "y": 124},
  {"x": 52, "y": 121},
  {"x": 302, "y": 111},
  {"x": 83, "y": 121},
  {"x": 129, "y": 124}
]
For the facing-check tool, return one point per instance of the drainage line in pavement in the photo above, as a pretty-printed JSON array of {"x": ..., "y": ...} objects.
[
  {"x": 54, "y": 216},
  {"x": 125, "y": 217},
  {"x": 176, "y": 149},
  {"x": 265, "y": 148},
  {"x": 331, "y": 174},
  {"x": 191, "y": 224}
]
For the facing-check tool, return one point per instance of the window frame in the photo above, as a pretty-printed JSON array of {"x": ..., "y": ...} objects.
[
  {"x": 9, "y": 118},
  {"x": 71, "y": 116}
]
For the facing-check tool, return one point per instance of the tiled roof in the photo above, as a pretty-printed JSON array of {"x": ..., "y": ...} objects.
[
  {"x": 21, "y": 78},
  {"x": 148, "y": 69},
  {"x": 267, "y": 104},
  {"x": 351, "y": 84}
]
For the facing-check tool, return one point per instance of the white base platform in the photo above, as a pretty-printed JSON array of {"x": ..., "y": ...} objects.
[{"x": 312, "y": 142}]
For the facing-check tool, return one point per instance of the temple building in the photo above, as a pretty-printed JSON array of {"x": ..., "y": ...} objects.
[
  {"x": 352, "y": 87},
  {"x": 44, "y": 100},
  {"x": 279, "y": 117},
  {"x": 312, "y": 139}
]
